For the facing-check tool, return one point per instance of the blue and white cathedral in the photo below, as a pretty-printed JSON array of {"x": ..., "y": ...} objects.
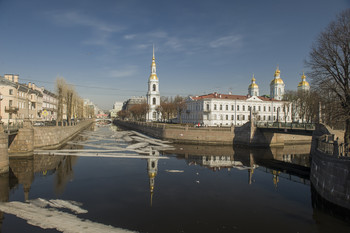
[{"x": 153, "y": 96}]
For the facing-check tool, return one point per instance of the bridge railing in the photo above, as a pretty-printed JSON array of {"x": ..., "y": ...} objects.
[
  {"x": 285, "y": 125},
  {"x": 328, "y": 145}
]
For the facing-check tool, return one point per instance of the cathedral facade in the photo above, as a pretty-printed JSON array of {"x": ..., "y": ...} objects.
[{"x": 216, "y": 109}]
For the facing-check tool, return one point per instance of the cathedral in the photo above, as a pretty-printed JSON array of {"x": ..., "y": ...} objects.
[
  {"x": 216, "y": 109},
  {"x": 153, "y": 96}
]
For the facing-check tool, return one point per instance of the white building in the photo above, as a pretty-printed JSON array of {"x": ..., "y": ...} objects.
[
  {"x": 225, "y": 110},
  {"x": 153, "y": 96}
]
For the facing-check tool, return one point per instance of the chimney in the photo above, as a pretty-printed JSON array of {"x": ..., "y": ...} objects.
[
  {"x": 15, "y": 78},
  {"x": 30, "y": 85}
]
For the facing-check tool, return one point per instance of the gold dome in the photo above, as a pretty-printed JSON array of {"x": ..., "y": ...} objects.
[
  {"x": 253, "y": 85},
  {"x": 303, "y": 83},
  {"x": 153, "y": 77},
  {"x": 276, "y": 81}
]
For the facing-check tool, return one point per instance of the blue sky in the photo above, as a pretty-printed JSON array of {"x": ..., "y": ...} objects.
[{"x": 105, "y": 47}]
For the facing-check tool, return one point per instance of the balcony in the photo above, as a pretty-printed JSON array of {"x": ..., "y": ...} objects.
[{"x": 11, "y": 109}]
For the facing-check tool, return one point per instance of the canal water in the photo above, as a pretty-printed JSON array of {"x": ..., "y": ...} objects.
[{"x": 196, "y": 189}]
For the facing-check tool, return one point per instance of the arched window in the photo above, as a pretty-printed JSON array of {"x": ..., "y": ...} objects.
[
  {"x": 154, "y": 87},
  {"x": 154, "y": 101},
  {"x": 279, "y": 91}
]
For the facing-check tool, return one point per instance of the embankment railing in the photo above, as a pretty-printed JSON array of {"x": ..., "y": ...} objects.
[{"x": 328, "y": 145}]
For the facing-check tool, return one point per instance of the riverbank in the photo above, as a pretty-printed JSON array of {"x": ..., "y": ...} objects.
[
  {"x": 247, "y": 134},
  {"x": 50, "y": 137}
]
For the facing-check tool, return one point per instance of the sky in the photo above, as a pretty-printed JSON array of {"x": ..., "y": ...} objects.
[{"x": 104, "y": 48}]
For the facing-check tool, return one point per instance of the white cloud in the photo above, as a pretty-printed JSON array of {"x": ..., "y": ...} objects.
[
  {"x": 130, "y": 36},
  {"x": 101, "y": 31},
  {"x": 227, "y": 41}
]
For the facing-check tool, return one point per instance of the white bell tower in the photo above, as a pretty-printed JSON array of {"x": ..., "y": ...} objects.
[{"x": 153, "y": 96}]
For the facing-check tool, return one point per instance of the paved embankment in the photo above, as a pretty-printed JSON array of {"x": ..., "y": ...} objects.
[{"x": 242, "y": 135}]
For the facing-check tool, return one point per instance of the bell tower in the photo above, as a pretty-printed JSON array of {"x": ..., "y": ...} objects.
[{"x": 153, "y": 96}]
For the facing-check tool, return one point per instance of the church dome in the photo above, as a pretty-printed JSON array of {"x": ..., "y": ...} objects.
[
  {"x": 153, "y": 77},
  {"x": 277, "y": 79},
  {"x": 303, "y": 82},
  {"x": 253, "y": 84}
]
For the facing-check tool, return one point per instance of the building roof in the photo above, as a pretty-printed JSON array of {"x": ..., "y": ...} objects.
[{"x": 231, "y": 97}]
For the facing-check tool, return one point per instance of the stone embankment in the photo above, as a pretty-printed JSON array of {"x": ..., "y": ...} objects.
[
  {"x": 247, "y": 134},
  {"x": 48, "y": 137},
  {"x": 330, "y": 171}
]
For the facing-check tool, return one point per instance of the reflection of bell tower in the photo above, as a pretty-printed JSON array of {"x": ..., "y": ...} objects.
[
  {"x": 275, "y": 177},
  {"x": 152, "y": 168}
]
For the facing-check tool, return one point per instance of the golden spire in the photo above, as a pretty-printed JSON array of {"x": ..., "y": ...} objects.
[
  {"x": 253, "y": 79},
  {"x": 277, "y": 72},
  {"x": 153, "y": 75}
]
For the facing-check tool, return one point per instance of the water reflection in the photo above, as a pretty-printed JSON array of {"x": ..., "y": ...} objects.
[
  {"x": 290, "y": 162},
  {"x": 124, "y": 202},
  {"x": 152, "y": 169}
]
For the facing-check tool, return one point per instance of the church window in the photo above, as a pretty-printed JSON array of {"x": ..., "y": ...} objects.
[
  {"x": 269, "y": 118},
  {"x": 255, "y": 93},
  {"x": 243, "y": 107},
  {"x": 232, "y": 117},
  {"x": 207, "y": 107},
  {"x": 232, "y": 107},
  {"x": 264, "y": 117},
  {"x": 249, "y": 108},
  {"x": 154, "y": 101},
  {"x": 226, "y": 117},
  {"x": 238, "y": 117},
  {"x": 259, "y": 108},
  {"x": 279, "y": 91},
  {"x": 274, "y": 109},
  {"x": 244, "y": 117},
  {"x": 154, "y": 87},
  {"x": 220, "y": 106},
  {"x": 254, "y": 108},
  {"x": 214, "y": 106},
  {"x": 226, "y": 107},
  {"x": 237, "y": 107}
]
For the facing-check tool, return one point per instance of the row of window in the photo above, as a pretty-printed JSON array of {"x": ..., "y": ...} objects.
[{"x": 255, "y": 108}]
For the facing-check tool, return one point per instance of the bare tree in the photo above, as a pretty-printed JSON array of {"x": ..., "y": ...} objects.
[{"x": 330, "y": 64}]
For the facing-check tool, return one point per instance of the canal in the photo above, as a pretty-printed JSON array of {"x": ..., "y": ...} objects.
[{"x": 179, "y": 188}]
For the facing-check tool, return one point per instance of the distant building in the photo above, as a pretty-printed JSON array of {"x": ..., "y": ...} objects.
[
  {"x": 117, "y": 106},
  {"x": 225, "y": 110},
  {"x": 134, "y": 101},
  {"x": 19, "y": 100},
  {"x": 153, "y": 96}
]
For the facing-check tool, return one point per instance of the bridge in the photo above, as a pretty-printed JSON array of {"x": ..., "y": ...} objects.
[
  {"x": 287, "y": 127},
  {"x": 103, "y": 121}
]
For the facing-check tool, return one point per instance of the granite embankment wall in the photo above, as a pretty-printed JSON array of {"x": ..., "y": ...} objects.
[
  {"x": 4, "y": 158},
  {"x": 330, "y": 173},
  {"x": 243, "y": 135},
  {"x": 53, "y": 137},
  {"x": 30, "y": 138}
]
